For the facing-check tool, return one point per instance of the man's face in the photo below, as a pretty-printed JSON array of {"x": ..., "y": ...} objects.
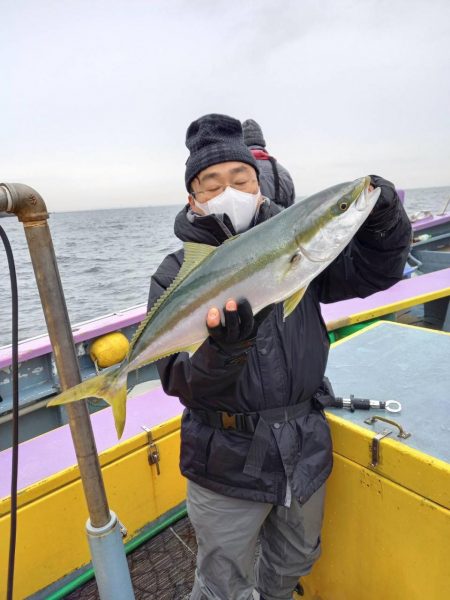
[{"x": 212, "y": 181}]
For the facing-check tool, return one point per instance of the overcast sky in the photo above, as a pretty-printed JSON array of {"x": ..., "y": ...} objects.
[{"x": 96, "y": 96}]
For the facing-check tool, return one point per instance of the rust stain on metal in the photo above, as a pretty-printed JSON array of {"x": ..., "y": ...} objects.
[{"x": 34, "y": 223}]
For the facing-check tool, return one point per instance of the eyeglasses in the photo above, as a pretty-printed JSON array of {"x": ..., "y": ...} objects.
[{"x": 205, "y": 195}]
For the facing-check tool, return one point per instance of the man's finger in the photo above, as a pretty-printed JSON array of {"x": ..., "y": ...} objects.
[
  {"x": 246, "y": 317},
  {"x": 231, "y": 305},
  {"x": 232, "y": 326},
  {"x": 213, "y": 317}
]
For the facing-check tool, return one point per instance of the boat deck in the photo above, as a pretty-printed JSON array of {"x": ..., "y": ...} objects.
[
  {"x": 163, "y": 568},
  {"x": 152, "y": 567}
]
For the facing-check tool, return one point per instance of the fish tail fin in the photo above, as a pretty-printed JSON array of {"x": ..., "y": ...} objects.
[
  {"x": 118, "y": 401},
  {"x": 110, "y": 387}
]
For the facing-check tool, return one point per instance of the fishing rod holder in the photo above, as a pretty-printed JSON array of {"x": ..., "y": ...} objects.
[{"x": 109, "y": 560}]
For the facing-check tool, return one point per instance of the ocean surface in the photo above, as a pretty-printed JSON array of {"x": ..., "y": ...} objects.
[{"x": 106, "y": 259}]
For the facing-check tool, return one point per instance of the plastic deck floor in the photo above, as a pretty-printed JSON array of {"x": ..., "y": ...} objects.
[{"x": 161, "y": 569}]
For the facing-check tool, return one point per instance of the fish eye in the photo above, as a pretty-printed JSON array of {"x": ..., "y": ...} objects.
[
  {"x": 295, "y": 258},
  {"x": 343, "y": 206}
]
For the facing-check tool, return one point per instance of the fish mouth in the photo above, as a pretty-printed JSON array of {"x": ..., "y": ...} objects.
[{"x": 367, "y": 199}]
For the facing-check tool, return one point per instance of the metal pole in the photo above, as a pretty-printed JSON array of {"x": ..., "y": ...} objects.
[
  {"x": 60, "y": 332},
  {"x": 29, "y": 207}
]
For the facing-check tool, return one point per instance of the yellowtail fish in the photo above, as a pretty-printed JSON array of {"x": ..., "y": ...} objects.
[{"x": 273, "y": 262}]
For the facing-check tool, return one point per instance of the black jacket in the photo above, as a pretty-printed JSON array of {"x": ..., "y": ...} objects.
[{"x": 284, "y": 367}]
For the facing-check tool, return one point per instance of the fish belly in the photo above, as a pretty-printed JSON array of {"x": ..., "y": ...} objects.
[{"x": 260, "y": 289}]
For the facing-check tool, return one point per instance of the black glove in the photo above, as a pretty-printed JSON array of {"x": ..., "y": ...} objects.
[
  {"x": 240, "y": 329},
  {"x": 385, "y": 214}
]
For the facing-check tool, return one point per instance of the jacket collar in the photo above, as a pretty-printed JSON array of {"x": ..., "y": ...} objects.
[{"x": 212, "y": 229}]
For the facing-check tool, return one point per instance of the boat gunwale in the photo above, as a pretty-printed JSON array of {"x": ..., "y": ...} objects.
[{"x": 40, "y": 345}]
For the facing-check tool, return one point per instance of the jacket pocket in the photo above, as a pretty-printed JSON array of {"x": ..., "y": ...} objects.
[
  {"x": 316, "y": 457},
  {"x": 195, "y": 445}
]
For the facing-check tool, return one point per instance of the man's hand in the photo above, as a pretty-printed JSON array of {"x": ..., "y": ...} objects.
[
  {"x": 240, "y": 326},
  {"x": 385, "y": 213}
]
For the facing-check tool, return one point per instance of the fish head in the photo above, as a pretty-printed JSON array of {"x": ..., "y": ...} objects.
[{"x": 332, "y": 217}]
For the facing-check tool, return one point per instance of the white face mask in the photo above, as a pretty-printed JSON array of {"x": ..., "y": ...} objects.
[{"x": 239, "y": 206}]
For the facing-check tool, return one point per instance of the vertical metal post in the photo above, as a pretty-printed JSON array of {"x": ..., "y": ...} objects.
[
  {"x": 55, "y": 311},
  {"x": 29, "y": 207}
]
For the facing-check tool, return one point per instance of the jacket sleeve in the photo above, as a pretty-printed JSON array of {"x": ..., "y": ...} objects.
[
  {"x": 210, "y": 371},
  {"x": 375, "y": 258}
]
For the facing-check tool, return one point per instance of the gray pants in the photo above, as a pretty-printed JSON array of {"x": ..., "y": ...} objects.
[{"x": 227, "y": 531}]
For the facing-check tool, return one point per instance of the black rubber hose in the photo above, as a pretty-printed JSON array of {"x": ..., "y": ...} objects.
[{"x": 15, "y": 428}]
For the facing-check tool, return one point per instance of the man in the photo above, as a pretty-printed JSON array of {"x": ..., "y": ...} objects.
[
  {"x": 260, "y": 366},
  {"x": 274, "y": 180}
]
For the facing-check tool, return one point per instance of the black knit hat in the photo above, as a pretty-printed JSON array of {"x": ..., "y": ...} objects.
[
  {"x": 253, "y": 135},
  {"x": 214, "y": 139}
]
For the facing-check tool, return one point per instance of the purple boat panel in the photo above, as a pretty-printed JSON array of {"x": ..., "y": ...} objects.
[
  {"x": 401, "y": 195},
  {"x": 41, "y": 345},
  {"x": 432, "y": 220},
  {"x": 52, "y": 452},
  {"x": 404, "y": 290}
]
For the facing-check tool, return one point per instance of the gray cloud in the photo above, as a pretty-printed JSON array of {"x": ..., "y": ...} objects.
[{"x": 96, "y": 96}]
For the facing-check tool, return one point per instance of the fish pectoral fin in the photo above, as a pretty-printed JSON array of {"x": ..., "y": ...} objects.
[{"x": 291, "y": 303}]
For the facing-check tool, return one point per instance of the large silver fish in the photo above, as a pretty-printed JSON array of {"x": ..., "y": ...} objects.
[{"x": 271, "y": 263}]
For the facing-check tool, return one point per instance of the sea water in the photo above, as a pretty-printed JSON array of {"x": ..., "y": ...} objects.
[{"x": 106, "y": 259}]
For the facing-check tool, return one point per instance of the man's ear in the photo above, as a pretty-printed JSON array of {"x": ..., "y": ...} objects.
[{"x": 191, "y": 201}]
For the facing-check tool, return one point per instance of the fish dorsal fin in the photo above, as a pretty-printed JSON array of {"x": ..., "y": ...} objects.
[
  {"x": 194, "y": 255},
  {"x": 291, "y": 303}
]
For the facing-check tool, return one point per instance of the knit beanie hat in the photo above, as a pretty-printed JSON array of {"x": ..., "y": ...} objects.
[
  {"x": 253, "y": 135},
  {"x": 214, "y": 139}
]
